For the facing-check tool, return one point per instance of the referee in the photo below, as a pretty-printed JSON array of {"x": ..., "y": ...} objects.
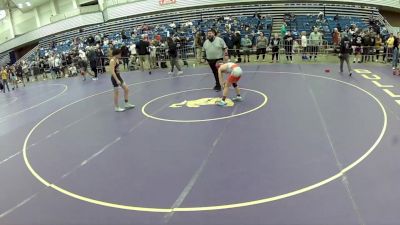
[{"x": 215, "y": 49}]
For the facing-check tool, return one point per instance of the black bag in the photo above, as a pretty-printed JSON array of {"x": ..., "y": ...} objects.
[
  {"x": 164, "y": 65},
  {"x": 1, "y": 86}
]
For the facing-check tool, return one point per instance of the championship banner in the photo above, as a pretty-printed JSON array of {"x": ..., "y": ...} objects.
[{"x": 167, "y": 2}]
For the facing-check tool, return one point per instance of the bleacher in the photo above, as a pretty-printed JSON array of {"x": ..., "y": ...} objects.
[
  {"x": 307, "y": 22},
  {"x": 164, "y": 30},
  {"x": 352, "y": 13}
]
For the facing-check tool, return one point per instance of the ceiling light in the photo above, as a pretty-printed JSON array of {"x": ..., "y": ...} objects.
[
  {"x": 28, "y": 3},
  {"x": 20, "y": 5}
]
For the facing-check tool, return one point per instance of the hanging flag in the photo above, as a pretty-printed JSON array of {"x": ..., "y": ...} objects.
[{"x": 167, "y": 2}]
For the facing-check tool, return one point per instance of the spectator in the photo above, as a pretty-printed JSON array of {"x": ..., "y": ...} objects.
[
  {"x": 132, "y": 51},
  {"x": 345, "y": 51},
  {"x": 336, "y": 18},
  {"x": 246, "y": 44},
  {"x": 378, "y": 46},
  {"x": 283, "y": 30},
  {"x": 390, "y": 43},
  {"x": 100, "y": 60},
  {"x": 142, "y": 48},
  {"x": 173, "y": 55},
  {"x": 11, "y": 73},
  {"x": 304, "y": 45},
  {"x": 4, "y": 78},
  {"x": 358, "y": 43},
  {"x": 20, "y": 73},
  {"x": 237, "y": 45},
  {"x": 275, "y": 43},
  {"x": 198, "y": 42},
  {"x": 315, "y": 42},
  {"x": 395, "y": 59},
  {"x": 262, "y": 43},
  {"x": 125, "y": 55},
  {"x": 228, "y": 39},
  {"x": 57, "y": 65},
  {"x": 288, "y": 42},
  {"x": 92, "y": 57},
  {"x": 336, "y": 38}
]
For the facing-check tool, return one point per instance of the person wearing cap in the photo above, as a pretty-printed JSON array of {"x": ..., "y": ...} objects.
[
  {"x": 235, "y": 73},
  {"x": 215, "y": 48},
  {"x": 142, "y": 48}
]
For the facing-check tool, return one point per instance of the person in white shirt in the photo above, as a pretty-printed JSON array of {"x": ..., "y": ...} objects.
[
  {"x": 304, "y": 45},
  {"x": 51, "y": 65},
  {"x": 57, "y": 66},
  {"x": 72, "y": 70}
]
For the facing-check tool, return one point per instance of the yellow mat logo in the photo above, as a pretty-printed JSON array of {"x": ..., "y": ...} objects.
[{"x": 200, "y": 102}]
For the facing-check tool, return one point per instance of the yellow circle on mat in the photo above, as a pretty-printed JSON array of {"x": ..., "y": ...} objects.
[
  {"x": 214, "y": 207},
  {"x": 202, "y": 120}
]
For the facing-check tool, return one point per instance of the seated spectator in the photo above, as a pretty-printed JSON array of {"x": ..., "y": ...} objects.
[{"x": 336, "y": 18}]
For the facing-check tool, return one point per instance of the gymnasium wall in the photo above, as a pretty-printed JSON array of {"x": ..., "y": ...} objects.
[
  {"x": 40, "y": 22},
  {"x": 392, "y": 17}
]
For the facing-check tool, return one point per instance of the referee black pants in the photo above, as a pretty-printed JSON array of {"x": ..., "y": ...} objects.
[{"x": 214, "y": 69}]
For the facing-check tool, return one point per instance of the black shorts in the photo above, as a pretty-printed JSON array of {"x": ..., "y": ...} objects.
[{"x": 114, "y": 82}]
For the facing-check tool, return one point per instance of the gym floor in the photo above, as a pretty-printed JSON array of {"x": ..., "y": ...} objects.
[{"x": 304, "y": 147}]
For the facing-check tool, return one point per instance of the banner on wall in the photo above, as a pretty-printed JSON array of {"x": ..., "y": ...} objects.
[{"x": 167, "y": 2}]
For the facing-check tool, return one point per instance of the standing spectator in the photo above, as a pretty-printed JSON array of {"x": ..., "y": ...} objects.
[
  {"x": 378, "y": 46},
  {"x": 395, "y": 59},
  {"x": 51, "y": 66},
  {"x": 33, "y": 67},
  {"x": 336, "y": 39},
  {"x": 92, "y": 57},
  {"x": 142, "y": 48},
  {"x": 4, "y": 78},
  {"x": 97, "y": 38},
  {"x": 125, "y": 56},
  {"x": 132, "y": 50},
  {"x": 228, "y": 39},
  {"x": 25, "y": 70},
  {"x": 366, "y": 47},
  {"x": 283, "y": 30},
  {"x": 304, "y": 45},
  {"x": 345, "y": 51},
  {"x": 215, "y": 49},
  {"x": 288, "y": 42},
  {"x": 262, "y": 43},
  {"x": 198, "y": 42},
  {"x": 275, "y": 43},
  {"x": 315, "y": 42},
  {"x": 371, "y": 48},
  {"x": 57, "y": 65},
  {"x": 20, "y": 73},
  {"x": 237, "y": 43},
  {"x": 173, "y": 55},
  {"x": 100, "y": 60},
  {"x": 246, "y": 44},
  {"x": 390, "y": 43},
  {"x": 153, "y": 54},
  {"x": 11, "y": 73},
  {"x": 183, "y": 49},
  {"x": 82, "y": 64},
  {"x": 357, "y": 43}
]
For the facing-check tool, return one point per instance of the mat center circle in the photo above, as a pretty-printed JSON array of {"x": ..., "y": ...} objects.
[{"x": 195, "y": 102}]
